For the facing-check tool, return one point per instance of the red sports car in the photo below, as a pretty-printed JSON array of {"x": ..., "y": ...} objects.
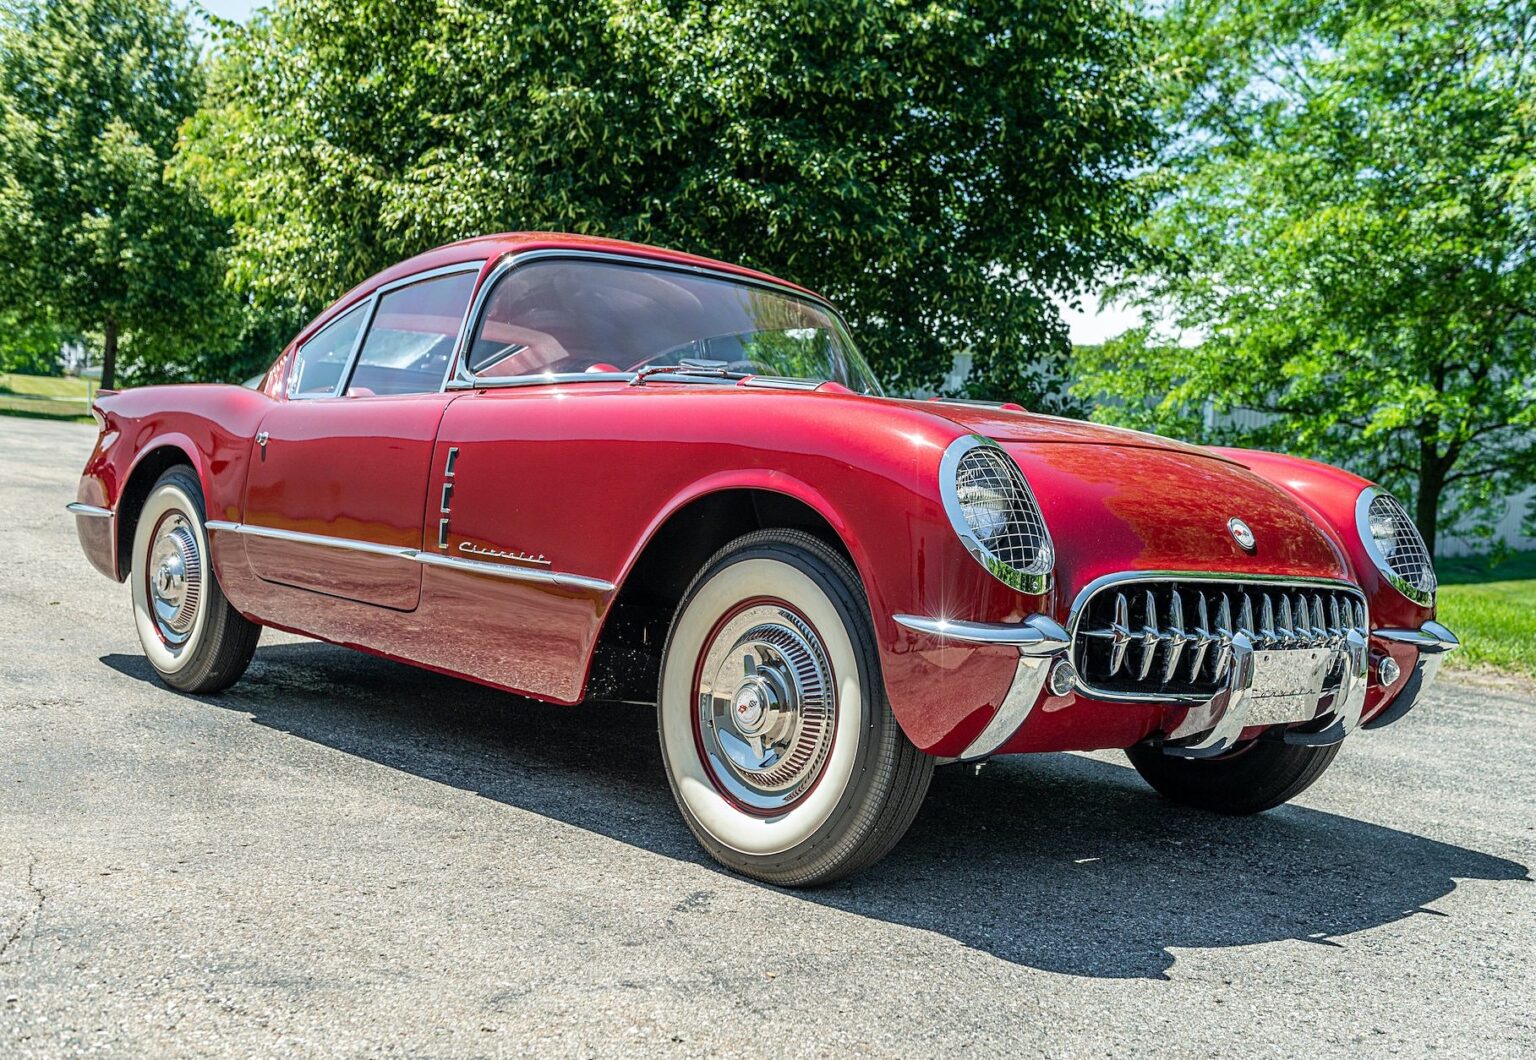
[{"x": 582, "y": 469}]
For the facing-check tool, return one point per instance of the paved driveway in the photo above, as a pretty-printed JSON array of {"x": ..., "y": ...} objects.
[{"x": 344, "y": 856}]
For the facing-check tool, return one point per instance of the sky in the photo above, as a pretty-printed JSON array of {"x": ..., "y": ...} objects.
[
  {"x": 1088, "y": 326},
  {"x": 235, "y": 9}
]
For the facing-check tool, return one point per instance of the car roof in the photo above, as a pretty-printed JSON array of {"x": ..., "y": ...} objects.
[{"x": 492, "y": 247}]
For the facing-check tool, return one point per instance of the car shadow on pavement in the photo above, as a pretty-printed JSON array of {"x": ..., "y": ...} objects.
[{"x": 1058, "y": 862}]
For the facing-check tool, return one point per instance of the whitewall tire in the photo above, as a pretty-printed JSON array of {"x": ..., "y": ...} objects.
[
  {"x": 779, "y": 743},
  {"x": 190, "y": 634}
]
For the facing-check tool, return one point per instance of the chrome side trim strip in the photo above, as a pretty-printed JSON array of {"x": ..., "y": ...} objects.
[
  {"x": 90, "y": 509},
  {"x": 344, "y": 543},
  {"x": 1430, "y": 638},
  {"x": 519, "y": 574},
  {"x": 539, "y": 577}
]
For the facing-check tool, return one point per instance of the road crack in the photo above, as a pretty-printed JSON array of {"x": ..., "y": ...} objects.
[{"x": 31, "y": 916}]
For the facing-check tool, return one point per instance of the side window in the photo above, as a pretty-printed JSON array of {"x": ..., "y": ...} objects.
[
  {"x": 411, "y": 340},
  {"x": 318, "y": 366}
]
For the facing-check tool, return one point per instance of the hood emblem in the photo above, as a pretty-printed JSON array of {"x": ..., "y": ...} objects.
[{"x": 1241, "y": 533}]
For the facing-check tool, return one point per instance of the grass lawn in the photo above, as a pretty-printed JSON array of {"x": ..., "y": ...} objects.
[
  {"x": 53, "y": 397},
  {"x": 1492, "y": 608}
]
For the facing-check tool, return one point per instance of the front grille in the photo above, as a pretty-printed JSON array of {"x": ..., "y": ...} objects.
[
  {"x": 1019, "y": 538},
  {"x": 1171, "y": 638},
  {"x": 1408, "y": 556}
]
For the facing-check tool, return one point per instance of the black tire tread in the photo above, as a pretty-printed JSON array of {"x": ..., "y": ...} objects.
[{"x": 1259, "y": 778}]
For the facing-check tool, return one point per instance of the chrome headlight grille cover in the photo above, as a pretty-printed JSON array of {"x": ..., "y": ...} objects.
[
  {"x": 993, "y": 510},
  {"x": 1393, "y": 542}
]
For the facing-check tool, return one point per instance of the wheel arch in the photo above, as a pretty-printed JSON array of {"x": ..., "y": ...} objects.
[
  {"x": 626, "y": 658},
  {"x": 166, "y": 452}
]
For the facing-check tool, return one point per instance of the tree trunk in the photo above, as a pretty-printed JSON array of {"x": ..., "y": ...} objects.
[
  {"x": 1432, "y": 471},
  {"x": 109, "y": 355}
]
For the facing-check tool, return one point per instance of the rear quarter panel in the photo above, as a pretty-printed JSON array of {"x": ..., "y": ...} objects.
[{"x": 210, "y": 425}]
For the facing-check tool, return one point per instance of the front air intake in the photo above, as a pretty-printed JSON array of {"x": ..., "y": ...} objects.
[{"x": 1172, "y": 638}]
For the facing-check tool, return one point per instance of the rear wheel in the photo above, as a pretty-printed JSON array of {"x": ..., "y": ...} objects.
[
  {"x": 779, "y": 743},
  {"x": 191, "y": 635},
  {"x": 1252, "y": 779}
]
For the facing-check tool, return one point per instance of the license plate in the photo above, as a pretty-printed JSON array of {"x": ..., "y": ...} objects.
[{"x": 1287, "y": 685}]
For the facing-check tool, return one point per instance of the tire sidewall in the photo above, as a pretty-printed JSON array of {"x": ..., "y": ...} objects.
[
  {"x": 174, "y": 493},
  {"x": 824, "y": 817}
]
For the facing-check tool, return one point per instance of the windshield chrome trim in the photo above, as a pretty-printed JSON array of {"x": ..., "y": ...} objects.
[
  {"x": 577, "y": 582},
  {"x": 459, "y": 378}
]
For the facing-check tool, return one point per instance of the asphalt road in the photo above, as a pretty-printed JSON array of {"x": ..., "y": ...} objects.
[{"x": 346, "y": 856}]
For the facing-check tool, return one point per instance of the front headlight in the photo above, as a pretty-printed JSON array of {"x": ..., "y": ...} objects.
[
  {"x": 990, "y": 505},
  {"x": 1395, "y": 545}
]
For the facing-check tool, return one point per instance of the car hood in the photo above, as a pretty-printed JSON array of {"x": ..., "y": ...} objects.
[
  {"x": 1015, "y": 425},
  {"x": 1113, "y": 508}
]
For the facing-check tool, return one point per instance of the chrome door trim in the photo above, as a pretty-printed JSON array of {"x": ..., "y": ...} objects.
[
  {"x": 523, "y": 574},
  {"x": 460, "y": 379},
  {"x": 345, "y": 543},
  {"x": 366, "y": 306},
  {"x": 409, "y": 281},
  {"x": 90, "y": 510},
  {"x": 370, "y": 305}
]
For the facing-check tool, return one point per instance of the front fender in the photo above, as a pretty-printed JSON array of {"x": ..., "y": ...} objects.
[{"x": 1331, "y": 494}]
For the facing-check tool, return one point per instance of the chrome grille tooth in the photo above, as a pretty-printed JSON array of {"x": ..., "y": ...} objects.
[
  {"x": 1284, "y": 630},
  {"x": 1120, "y": 633},
  {"x": 1319, "y": 634},
  {"x": 1176, "y": 636},
  {"x": 1267, "y": 629},
  {"x": 1224, "y": 632},
  {"x": 1150, "y": 635},
  {"x": 1202, "y": 637},
  {"x": 1301, "y": 620}
]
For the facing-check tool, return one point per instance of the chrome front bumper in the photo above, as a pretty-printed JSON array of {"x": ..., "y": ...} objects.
[
  {"x": 1041, "y": 641},
  {"x": 1210, "y": 728},
  {"x": 1433, "y": 641}
]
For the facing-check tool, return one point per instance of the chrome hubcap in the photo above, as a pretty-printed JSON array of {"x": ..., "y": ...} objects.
[
  {"x": 174, "y": 571},
  {"x": 765, "y": 706}
]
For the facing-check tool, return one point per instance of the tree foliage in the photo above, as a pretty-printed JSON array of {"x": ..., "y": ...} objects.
[
  {"x": 93, "y": 235},
  {"x": 940, "y": 169},
  {"x": 1348, "y": 216}
]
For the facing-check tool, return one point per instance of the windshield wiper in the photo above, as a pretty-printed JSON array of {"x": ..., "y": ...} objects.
[{"x": 687, "y": 366}]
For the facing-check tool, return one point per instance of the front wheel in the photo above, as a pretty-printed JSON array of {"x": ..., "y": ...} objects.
[
  {"x": 191, "y": 635},
  {"x": 779, "y": 743},
  {"x": 1251, "y": 779}
]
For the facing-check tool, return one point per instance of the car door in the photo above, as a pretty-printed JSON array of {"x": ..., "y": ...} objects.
[{"x": 336, "y": 490}]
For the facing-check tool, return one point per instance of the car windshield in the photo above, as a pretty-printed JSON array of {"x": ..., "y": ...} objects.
[{"x": 572, "y": 316}]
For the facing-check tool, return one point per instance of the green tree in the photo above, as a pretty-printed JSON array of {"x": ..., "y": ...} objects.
[
  {"x": 93, "y": 234},
  {"x": 30, "y": 345},
  {"x": 940, "y": 169},
  {"x": 1348, "y": 216}
]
